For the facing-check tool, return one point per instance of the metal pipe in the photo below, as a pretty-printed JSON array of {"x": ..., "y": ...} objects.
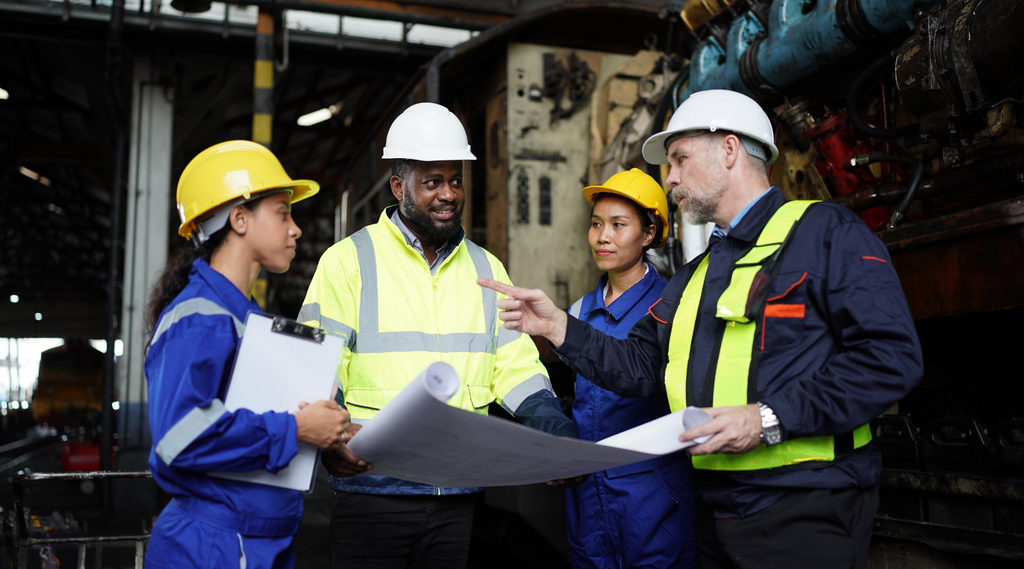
[
  {"x": 976, "y": 173},
  {"x": 915, "y": 180},
  {"x": 114, "y": 64},
  {"x": 888, "y": 61},
  {"x": 796, "y": 44}
]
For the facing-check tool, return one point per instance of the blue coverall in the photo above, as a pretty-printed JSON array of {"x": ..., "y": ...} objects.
[
  {"x": 214, "y": 522},
  {"x": 638, "y": 515}
]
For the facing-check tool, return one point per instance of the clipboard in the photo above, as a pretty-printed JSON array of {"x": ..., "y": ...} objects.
[{"x": 280, "y": 363}]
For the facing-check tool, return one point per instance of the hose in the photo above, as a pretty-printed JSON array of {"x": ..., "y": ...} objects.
[
  {"x": 854, "y": 94},
  {"x": 915, "y": 181}
]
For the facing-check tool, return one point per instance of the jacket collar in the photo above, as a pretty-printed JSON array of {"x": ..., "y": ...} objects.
[
  {"x": 225, "y": 291},
  {"x": 622, "y": 305},
  {"x": 757, "y": 217}
]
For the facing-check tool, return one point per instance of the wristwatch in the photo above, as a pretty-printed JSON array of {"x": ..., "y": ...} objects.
[{"x": 771, "y": 432}]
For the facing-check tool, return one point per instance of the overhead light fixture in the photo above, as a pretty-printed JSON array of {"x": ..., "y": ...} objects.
[
  {"x": 34, "y": 175},
  {"x": 15, "y": 298},
  {"x": 191, "y": 6},
  {"x": 14, "y": 405},
  {"x": 316, "y": 117},
  {"x": 115, "y": 405},
  {"x": 39, "y": 316},
  {"x": 4, "y": 94}
]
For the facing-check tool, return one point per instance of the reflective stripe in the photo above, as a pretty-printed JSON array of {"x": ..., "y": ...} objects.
[
  {"x": 188, "y": 429},
  {"x": 311, "y": 313},
  {"x": 483, "y": 270},
  {"x": 241, "y": 549},
  {"x": 506, "y": 336},
  {"x": 513, "y": 399},
  {"x": 190, "y": 307},
  {"x": 576, "y": 307},
  {"x": 370, "y": 340}
]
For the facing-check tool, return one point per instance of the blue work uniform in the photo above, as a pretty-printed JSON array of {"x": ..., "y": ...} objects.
[
  {"x": 638, "y": 515},
  {"x": 845, "y": 351},
  {"x": 214, "y": 522}
]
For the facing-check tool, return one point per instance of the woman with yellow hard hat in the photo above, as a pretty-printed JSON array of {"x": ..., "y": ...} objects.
[
  {"x": 234, "y": 200},
  {"x": 639, "y": 515}
]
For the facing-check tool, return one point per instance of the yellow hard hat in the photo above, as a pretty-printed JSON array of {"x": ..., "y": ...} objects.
[
  {"x": 233, "y": 171},
  {"x": 642, "y": 189}
]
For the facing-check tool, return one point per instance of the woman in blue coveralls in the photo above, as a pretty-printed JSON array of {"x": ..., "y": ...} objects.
[
  {"x": 234, "y": 200},
  {"x": 639, "y": 515}
]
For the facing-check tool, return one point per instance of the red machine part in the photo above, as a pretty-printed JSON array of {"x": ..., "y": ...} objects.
[
  {"x": 834, "y": 140},
  {"x": 82, "y": 457}
]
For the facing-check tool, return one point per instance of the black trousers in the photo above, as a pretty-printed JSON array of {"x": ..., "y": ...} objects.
[
  {"x": 370, "y": 531},
  {"x": 807, "y": 528}
]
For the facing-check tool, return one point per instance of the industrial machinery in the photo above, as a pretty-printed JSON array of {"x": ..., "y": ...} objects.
[{"x": 909, "y": 112}]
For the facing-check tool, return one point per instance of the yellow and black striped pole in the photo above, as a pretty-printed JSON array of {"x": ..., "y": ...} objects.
[
  {"x": 263, "y": 110},
  {"x": 263, "y": 80}
]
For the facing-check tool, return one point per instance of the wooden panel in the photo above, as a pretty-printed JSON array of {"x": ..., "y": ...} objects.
[{"x": 972, "y": 273}]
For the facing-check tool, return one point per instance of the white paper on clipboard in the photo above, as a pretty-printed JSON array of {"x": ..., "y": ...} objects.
[{"x": 281, "y": 363}]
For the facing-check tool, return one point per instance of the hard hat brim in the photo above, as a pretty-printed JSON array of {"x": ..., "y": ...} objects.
[
  {"x": 301, "y": 189},
  {"x": 427, "y": 155},
  {"x": 655, "y": 149}
]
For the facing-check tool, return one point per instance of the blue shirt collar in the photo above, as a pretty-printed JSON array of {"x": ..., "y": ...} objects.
[
  {"x": 626, "y": 301},
  {"x": 230, "y": 297},
  {"x": 739, "y": 217}
]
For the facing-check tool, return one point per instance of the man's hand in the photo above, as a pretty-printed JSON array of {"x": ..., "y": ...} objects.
[
  {"x": 530, "y": 311},
  {"x": 736, "y": 430},
  {"x": 341, "y": 462},
  {"x": 322, "y": 424}
]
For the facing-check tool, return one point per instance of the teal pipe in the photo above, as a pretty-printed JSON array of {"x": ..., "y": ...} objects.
[{"x": 796, "y": 45}]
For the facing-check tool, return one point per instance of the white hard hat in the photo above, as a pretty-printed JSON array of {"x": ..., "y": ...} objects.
[
  {"x": 427, "y": 132},
  {"x": 712, "y": 110}
]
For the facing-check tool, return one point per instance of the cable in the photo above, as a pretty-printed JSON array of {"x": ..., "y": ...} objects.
[
  {"x": 915, "y": 181},
  {"x": 854, "y": 94}
]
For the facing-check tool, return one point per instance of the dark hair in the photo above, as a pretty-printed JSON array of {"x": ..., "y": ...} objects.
[
  {"x": 647, "y": 218},
  {"x": 403, "y": 167},
  {"x": 175, "y": 276}
]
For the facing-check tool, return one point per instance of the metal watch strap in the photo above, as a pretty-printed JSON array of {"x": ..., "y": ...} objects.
[{"x": 771, "y": 431}]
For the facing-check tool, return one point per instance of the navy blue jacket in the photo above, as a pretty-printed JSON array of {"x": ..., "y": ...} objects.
[{"x": 851, "y": 356}]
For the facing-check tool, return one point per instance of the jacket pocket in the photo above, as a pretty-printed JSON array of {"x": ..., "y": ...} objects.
[
  {"x": 480, "y": 396},
  {"x": 783, "y": 323}
]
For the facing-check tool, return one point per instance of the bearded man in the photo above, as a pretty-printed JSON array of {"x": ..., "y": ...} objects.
[
  {"x": 403, "y": 291},
  {"x": 791, "y": 330}
]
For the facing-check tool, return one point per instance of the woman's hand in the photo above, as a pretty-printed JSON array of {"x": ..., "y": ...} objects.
[{"x": 323, "y": 424}]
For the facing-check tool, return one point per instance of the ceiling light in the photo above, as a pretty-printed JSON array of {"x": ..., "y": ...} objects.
[
  {"x": 39, "y": 316},
  {"x": 15, "y": 298},
  {"x": 4, "y": 94},
  {"x": 316, "y": 117},
  {"x": 115, "y": 405},
  {"x": 28, "y": 173}
]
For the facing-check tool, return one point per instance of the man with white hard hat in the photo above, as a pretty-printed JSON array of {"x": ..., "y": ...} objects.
[
  {"x": 403, "y": 291},
  {"x": 792, "y": 330}
]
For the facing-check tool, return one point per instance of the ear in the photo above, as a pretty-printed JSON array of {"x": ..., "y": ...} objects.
[
  {"x": 397, "y": 188},
  {"x": 649, "y": 234},
  {"x": 239, "y": 219},
  {"x": 732, "y": 147}
]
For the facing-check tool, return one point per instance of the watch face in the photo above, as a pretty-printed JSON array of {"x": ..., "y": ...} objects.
[{"x": 772, "y": 436}]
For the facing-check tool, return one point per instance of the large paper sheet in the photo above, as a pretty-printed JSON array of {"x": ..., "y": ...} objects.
[
  {"x": 276, "y": 368},
  {"x": 418, "y": 437}
]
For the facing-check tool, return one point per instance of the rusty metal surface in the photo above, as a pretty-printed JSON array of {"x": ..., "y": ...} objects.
[
  {"x": 976, "y": 173},
  {"x": 1006, "y": 213},
  {"x": 978, "y": 487},
  {"x": 948, "y": 538}
]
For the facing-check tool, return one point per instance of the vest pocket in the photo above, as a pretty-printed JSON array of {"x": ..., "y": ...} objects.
[{"x": 480, "y": 396}]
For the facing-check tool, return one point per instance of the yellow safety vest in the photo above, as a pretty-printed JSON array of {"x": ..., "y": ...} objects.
[
  {"x": 399, "y": 318},
  {"x": 734, "y": 380}
]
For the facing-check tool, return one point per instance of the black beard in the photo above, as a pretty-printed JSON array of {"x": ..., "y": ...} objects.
[{"x": 422, "y": 224}]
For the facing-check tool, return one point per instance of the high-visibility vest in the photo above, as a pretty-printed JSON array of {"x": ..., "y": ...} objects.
[
  {"x": 735, "y": 382},
  {"x": 377, "y": 290}
]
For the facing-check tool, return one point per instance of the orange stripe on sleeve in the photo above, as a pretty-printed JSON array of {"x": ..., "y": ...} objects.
[{"x": 867, "y": 258}]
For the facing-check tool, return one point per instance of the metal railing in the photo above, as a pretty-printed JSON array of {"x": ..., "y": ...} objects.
[{"x": 24, "y": 542}]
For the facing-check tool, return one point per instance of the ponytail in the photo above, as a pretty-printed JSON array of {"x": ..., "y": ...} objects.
[{"x": 175, "y": 275}]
